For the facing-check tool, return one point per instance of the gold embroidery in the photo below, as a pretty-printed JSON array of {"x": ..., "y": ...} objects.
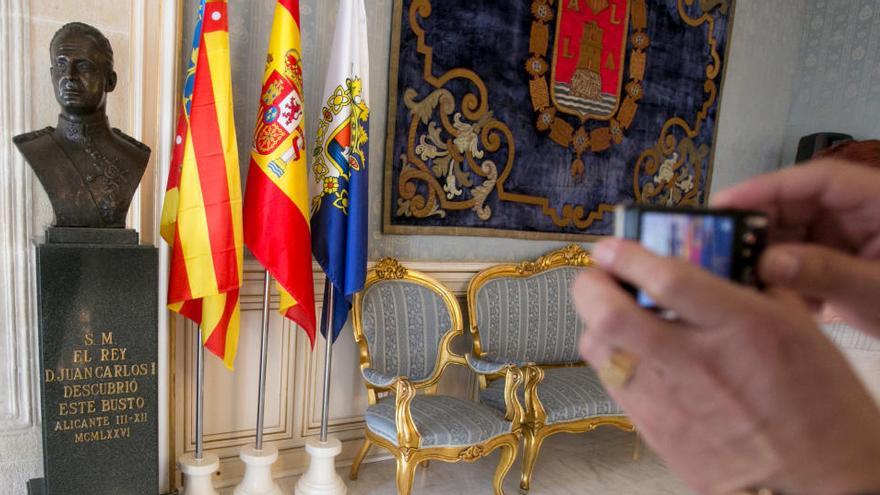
[
  {"x": 673, "y": 164},
  {"x": 639, "y": 15},
  {"x": 540, "y": 38},
  {"x": 586, "y": 82},
  {"x": 561, "y": 132},
  {"x": 600, "y": 138},
  {"x": 637, "y": 66},
  {"x": 627, "y": 112},
  {"x": 540, "y": 95}
]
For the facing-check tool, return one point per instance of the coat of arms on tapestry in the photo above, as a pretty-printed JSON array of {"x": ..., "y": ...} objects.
[{"x": 533, "y": 118}]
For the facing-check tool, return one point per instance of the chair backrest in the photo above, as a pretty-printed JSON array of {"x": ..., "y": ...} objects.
[
  {"x": 522, "y": 312},
  {"x": 404, "y": 322}
]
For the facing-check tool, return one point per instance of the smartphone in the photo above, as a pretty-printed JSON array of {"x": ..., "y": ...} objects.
[{"x": 727, "y": 243}]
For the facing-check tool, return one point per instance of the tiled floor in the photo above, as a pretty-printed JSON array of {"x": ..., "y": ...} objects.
[{"x": 597, "y": 463}]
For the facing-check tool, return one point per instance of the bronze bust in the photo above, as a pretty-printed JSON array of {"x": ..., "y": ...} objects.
[{"x": 89, "y": 170}]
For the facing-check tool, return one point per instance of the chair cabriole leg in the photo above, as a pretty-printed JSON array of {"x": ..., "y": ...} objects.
[
  {"x": 356, "y": 465},
  {"x": 508, "y": 454},
  {"x": 532, "y": 441},
  {"x": 406, "y": 471}
]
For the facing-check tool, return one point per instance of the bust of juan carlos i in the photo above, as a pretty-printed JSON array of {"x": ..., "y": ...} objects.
[{"x": 90, "y": 171}]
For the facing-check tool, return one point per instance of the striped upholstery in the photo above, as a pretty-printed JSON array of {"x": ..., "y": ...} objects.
[
  {"x": 529, "y": 319},
  {"x": 403, "y": 323},
  {"x": 442, "y": 421},
  {"x": 567, "y": 394}
]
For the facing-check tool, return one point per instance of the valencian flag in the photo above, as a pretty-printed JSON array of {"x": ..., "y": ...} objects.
[
  {"x": 276, "y": 207},
  {"x": 339, "y": 166},
  {"x": 201, "y": 215}
]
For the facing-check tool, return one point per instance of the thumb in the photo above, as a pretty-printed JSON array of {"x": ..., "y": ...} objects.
[{"x": 849, "y": 283}]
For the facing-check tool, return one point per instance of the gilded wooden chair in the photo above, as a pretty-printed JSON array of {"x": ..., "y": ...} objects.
[
  {"x": 404, "y": 324},
  {"x": 522, "y": 314}
]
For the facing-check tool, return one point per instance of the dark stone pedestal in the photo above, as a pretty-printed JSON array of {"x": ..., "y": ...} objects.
[
  {"x": 36, "y": 486},
  {"x": 98, "y": 313},
  {"x": 70, "y": 235}
]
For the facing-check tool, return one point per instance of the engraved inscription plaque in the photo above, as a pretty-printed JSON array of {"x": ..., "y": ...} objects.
[{"x": 98, "y": 319}]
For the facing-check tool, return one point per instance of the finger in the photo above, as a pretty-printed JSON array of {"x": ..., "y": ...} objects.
[
  {"x": 826, "y": 274},
  {"x": 830, "y": 182},
  {"x": 831, "y": 202},
  {"x": 614, "y": 320},
  {"x": 696, "y": 295}
]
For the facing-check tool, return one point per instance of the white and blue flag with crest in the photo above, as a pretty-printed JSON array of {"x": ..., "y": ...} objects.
[{"x": 339, "y": 172}]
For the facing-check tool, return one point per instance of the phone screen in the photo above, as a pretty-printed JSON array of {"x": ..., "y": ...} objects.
[{"x": 703, "y": 240}]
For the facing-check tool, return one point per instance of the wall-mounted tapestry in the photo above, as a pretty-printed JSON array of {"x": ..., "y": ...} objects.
[{"x": 533, "y": 118}]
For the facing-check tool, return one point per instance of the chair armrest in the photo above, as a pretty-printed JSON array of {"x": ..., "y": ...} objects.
[
  {"x": 514, "y": 378},
  {"x": 377, "y": 378},
  {"x": 535, "y": 412},
  {"x": 407, "y": 434},
  {"x": 404, "y": 393},
  {"x": 489, "y": 366}
]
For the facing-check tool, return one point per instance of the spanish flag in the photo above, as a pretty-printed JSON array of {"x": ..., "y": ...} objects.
[
  {"x": 276, "y": 204},
  {"x": 201, "y": 215}
]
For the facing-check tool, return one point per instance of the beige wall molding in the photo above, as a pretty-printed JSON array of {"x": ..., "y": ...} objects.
[{"x": 18, "y": 410}]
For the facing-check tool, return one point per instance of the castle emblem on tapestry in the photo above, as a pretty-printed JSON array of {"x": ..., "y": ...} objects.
[{"x": 534, "y": 118}]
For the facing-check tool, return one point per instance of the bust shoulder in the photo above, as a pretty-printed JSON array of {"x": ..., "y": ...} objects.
[
  {"x": 133, "y": 144},
  {"x": 28, "y": 137}
]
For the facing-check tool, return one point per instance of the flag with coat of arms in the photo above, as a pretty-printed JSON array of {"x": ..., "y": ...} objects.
[
  {"x": 276, "y": 203},
  {"x": 339, "y": 171}
]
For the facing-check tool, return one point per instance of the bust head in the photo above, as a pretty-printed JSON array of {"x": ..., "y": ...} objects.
[{"x": 82, "y": 69}]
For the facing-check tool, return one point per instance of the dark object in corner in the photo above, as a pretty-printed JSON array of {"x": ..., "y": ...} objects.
[
  {"x": 814, "y": 143},
  {"x": 866, "y": 152}
]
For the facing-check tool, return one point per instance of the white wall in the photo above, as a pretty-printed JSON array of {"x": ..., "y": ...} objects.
[
  {"x": 837, "y": 84},
  {"x": 758, "y": 89}
]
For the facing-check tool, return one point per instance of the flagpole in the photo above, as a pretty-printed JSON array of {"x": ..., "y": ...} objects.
[
  {"x": 200, "y": 395},
  {"x": 258, "y": 458},
  {"x": 264, "y": 342},
  {"x": 321, "y": 478},
  {"x": 198, "y": 467},
  {"x": 328, "y": 355}
]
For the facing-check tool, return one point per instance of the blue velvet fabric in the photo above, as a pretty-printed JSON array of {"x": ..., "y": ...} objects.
[
  {"x": 567, "y": 394},
  {"x": 491, "y": 38},
  {"x": 441, "y": 421}
]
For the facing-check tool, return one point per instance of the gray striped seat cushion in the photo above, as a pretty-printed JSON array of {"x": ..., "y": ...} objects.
[
  {"x": 442, "y": 421},
  {"x": 403, "y": 323},
  {"x": 567, "y": 394},
  {"x": 529, "y": 319}
]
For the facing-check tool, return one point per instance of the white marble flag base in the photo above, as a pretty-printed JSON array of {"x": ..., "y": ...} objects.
[
  {"x": 258, "y": 471},
  {"x": 197, "y": 473},
  {"x": 321, "y": 477}
]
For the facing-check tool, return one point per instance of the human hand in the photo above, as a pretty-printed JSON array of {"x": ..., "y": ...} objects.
[
  {"x": 743, "y": 390},
  {"x": 825, "y": 234}
]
